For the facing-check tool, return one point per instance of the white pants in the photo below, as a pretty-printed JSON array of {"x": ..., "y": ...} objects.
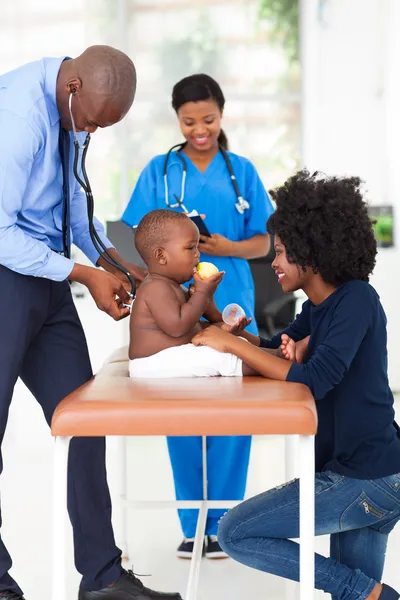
[{"x": 186, "y": 361}]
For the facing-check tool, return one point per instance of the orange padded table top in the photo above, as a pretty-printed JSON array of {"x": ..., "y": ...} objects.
[{"x": 113, "y": 404}]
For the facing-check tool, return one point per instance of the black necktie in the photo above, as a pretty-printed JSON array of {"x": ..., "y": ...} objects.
[{"x": 64, "y": 146}]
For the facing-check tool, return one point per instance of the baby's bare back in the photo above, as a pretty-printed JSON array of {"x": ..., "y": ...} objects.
[{"x": 146, "y": 336}]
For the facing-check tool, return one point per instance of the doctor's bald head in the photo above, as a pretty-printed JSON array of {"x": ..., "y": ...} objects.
[{"x": 102, "y": 81}]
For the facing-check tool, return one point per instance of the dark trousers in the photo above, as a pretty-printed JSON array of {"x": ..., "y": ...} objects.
[{"x": 42, "y": 341}]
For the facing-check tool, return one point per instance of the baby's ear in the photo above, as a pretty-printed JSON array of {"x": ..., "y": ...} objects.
[{"x": 160, "y": 256}]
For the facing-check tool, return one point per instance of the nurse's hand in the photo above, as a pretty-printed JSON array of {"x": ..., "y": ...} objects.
[
  {"x": 214, "y": 337},
  {"x": 216, "y": 245}
]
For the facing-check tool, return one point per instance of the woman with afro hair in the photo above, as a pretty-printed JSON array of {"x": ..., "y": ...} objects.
[{"x": 325, "y": 246}]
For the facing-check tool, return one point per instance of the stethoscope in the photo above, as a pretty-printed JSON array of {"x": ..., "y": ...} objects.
[
  {"x": 97, "y": 241},
  {"x": 241, "y": 204}
]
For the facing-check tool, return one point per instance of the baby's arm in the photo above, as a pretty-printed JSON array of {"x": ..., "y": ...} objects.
[
  {"x": 174, "y": 318},
  {"x": 211, "y": 312}
]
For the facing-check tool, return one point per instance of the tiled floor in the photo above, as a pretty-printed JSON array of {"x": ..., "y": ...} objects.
[{"x": 152, "y": 535}]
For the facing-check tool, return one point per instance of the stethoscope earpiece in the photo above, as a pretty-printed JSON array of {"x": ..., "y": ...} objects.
[{"x": 76, "y": 141}]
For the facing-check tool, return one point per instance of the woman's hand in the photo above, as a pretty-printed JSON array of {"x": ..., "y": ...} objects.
[
  {"x": 214, "y": 337},
  {"x": 216, "y": 245}
]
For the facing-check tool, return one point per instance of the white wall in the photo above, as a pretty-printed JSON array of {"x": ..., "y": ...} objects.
[{"x": 357, "y": 121}]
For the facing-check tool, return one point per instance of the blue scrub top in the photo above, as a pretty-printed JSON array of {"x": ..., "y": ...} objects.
[{"x": 211, "y": 193}]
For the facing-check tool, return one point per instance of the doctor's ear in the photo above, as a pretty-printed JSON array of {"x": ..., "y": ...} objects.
[
  {"x": 160, "y": 256},
  {"x": 74, "y": 85}
]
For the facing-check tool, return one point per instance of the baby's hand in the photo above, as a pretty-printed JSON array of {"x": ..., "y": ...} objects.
[
  {"x": 209, "y": 285},
  {"x": 287, "y": 348},
  {"x": 238, "y": 327}
]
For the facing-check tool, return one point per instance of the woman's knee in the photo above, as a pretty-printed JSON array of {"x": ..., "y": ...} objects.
[
  {"x": 234, "y": 526},
  {"x": 226, "y": 529}
]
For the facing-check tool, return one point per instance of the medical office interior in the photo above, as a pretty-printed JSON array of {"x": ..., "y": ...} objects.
[{"x": 312, "y": 83}]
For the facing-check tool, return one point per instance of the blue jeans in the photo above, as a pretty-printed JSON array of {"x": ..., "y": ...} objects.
[{"x": 357, "y": 514}]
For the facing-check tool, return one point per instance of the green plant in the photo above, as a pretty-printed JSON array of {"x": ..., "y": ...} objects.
[{"x": 283, "y": 16}]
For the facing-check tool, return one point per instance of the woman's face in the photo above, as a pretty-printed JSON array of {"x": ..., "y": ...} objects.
[
  {"x": 290, "y": 276},
  {"x": 200, "y": 124}
]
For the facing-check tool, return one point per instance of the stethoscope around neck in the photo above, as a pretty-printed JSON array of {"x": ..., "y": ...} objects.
[
  {"x": 84, "y": 182},
  {"x": 241, "y": 204}
]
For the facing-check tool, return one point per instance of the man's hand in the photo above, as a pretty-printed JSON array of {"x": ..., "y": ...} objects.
[
  {"x": 137, "y": 272},
  {"x": 209, "y": 285},
  {"x": 107, "y": 290}
]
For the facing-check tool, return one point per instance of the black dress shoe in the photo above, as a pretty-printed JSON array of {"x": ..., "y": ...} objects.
[
  {"x": 128, "y": 587},
  {"x": 10, "y": 595}
]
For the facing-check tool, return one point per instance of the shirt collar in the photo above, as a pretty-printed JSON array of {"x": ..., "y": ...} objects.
[{"x": 52, "y": 67}]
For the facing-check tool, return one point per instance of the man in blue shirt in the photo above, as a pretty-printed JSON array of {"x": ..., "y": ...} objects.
[{"x": 42, "y": 340}]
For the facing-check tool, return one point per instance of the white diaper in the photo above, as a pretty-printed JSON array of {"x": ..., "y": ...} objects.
[{"x": 186, "y": 361}]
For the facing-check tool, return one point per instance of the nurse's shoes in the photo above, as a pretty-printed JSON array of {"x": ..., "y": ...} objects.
[
  {"x": 211, "y": 548},
  {"x": 185, "y": 549}
]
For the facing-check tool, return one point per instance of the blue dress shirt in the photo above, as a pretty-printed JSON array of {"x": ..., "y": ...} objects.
[{"x": 31, "y": 196}]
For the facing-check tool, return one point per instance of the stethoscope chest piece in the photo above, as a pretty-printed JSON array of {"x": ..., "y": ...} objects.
[{"x": 241, "y": 205}]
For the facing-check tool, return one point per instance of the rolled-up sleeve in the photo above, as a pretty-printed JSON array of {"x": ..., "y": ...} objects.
[{"x": 19, "y": 144}]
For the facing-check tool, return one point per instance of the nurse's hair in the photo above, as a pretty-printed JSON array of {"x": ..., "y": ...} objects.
[
  {"x": 154, "y": 230},
  {"x": 196, "y": 88}
]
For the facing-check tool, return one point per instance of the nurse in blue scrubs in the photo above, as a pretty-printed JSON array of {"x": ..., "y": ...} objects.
[{"x": 197, "y": 176}]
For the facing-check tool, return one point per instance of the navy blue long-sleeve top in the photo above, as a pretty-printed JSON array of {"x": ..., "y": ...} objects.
[{"x": 346, "y": 370}]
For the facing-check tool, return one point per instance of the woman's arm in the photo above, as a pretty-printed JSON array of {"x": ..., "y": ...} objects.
[
  {"x": 218, "y": 245},
  {"x": 331, "y": 359},
  {"x": 254, "y": 247},
  {"x": 264, "y": 363}
]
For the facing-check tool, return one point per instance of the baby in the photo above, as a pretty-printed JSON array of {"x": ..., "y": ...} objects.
[{"x": 164, "y": 316}]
